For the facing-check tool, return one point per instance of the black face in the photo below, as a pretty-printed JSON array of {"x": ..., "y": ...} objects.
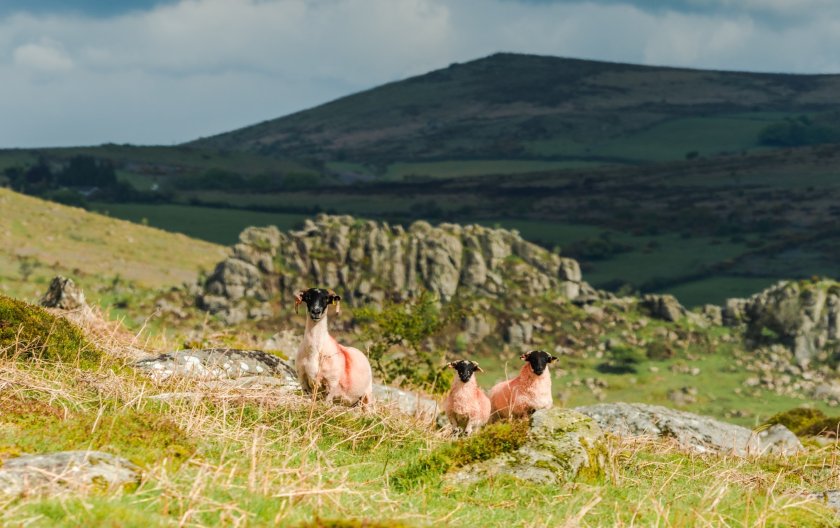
[
  {"x": 317, "y": 301},
  {"x": 465, "y": 369},
  {"x": 538, "y": 359}
]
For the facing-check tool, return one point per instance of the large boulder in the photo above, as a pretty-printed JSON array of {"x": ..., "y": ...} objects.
[
  {"x": 406, "y": 402},
  {"x": 699, "y": 433},
  {"x": 218, "y": 364},
  {"x": 66, "y": 470},
  {"x": 804, "y": 316},
  {"x": 665, "y": 307},
  {"x": 561, "y": 445},
  {"x": 370, "y": 261}
]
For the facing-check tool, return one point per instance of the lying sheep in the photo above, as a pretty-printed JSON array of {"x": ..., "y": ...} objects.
[
  {"x": 323, "y": 365},
  {"x": 466, "y": 405},
  {"x": 524, "y": 394}
]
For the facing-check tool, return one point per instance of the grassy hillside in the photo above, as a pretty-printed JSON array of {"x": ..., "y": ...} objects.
[
  {"x": 39, "y": 239},
  {"x": 527, "y": 107},
  {"x": 218, "y": 455}
]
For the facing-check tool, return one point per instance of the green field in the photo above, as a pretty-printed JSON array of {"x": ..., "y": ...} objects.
[
  {"x": 454, "y": 169},
  {"x": 221, "y": 226}
]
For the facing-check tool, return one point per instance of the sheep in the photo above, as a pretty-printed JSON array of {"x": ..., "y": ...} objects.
[
  {"x": 524, "y": 394},
  {"x": 323, "y": 365},
  {"x": 466, "y": 405}
]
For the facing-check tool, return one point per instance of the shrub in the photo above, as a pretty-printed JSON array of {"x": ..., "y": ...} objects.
[{"x": 397, "y": 334}]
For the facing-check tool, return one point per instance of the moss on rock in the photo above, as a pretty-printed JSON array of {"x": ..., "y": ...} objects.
[
  {"x": 807, "y": 422},
  {"x": 31, "y": 332},
  {"x": 490, "y": 442},
  {"x": 561, "y": 445}
]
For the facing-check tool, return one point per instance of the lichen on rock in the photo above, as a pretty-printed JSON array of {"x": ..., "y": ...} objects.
[{"x": 561, "y": 445}]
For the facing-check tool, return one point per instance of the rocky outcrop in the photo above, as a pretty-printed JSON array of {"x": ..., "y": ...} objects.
[
  {"x": 369, "y": 261},
  {"x": 561, "y": 445},
  {"x": 699, "y": 433},
  {"x": 804, "y": 316},
  {"x": 64, "y": 295},
  {"x": 406, "y": 402},
  {"x": 66, "y": 470}
]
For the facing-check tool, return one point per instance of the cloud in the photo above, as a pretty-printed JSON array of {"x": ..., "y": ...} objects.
[
  {"x": 190, "y": 68},
  {"x": 43, "y": 57}
]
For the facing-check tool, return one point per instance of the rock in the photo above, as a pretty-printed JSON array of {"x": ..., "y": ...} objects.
[
  {"x": 713, "y": 314},
  {"x": 406, "y": 402},
  {"x": 683, "y": 396},
  {"x": 65, "y": 295},
  {"x": 561, "y": 445},
  {"x": 218, "y": 363},
  {"x": 803, "y": 316},
  {"x": 830, "y": 498},
  {"x": 66, "y": 470},
  {"x": 665, "y": 307},
  {"x": 699, "y": 433},
  {"x": 519, "y": 333},
  {"x": 370, "y": 261}
]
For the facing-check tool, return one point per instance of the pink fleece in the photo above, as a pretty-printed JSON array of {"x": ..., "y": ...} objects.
[
  {"x": 521, "y": 395},
  {"x": 466, "y": 405},
  {"x": 324, "y": 365}
]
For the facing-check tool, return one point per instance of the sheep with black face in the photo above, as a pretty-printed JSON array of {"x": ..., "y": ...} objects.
[
  {"x": 524, "y": 394},
  {"x": 466, "y": 405},
  {"x": 323, "y": 365}
]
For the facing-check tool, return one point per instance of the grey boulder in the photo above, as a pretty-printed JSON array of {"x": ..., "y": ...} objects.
[
  {"x": 65, "y": 470},
  {"x": 699, "y": 433},
  {"x": 561, "y": 445}
]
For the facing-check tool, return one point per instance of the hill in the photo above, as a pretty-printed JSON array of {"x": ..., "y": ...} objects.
[
  {"x": 39, "y": 239},
  {"x": 525, "y": 107}
]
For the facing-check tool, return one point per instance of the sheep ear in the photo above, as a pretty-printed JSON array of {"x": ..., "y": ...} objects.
[
  {"x": 299, "y": 299},
  {"x": 336, "y": 300},
  {"x": 450, "y": 365},
  {"x": 523, "y": 357},
  {"x": 551, "y": 359},
  {"x": 477, "y": 368}
]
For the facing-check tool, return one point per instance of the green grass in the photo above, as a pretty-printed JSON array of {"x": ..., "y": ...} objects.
[
  {"x": 220, "y": 226},
  {"x": 714, "y": 289},
  {"x": 456, "y": 168},
  {"x": 29, "y": 332}
]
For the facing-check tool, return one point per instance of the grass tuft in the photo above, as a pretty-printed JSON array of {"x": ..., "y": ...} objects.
[{"x": 490, "y": 442}]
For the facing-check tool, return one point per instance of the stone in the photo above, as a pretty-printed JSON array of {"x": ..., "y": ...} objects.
[
  {"x": 64, "y": 295},
  {"x": 830, "y": 498},
  {"x": 665, "y": 307},
  {"x": 698, "y": 433},
  {"x": 64, "y": 471},
  {"x": 561, "y": 445},
  {"x": 218, "y": 363},
  {"x": 406, "y": 402}
]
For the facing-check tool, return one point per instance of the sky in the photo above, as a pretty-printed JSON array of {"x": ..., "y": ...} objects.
[{"x": 87, "y": 72}]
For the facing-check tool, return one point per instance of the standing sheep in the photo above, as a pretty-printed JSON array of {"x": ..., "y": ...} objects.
[
  {"x": 466, "y": 405},
  {"x": 524, "y": 394},
  {"x": 323, "y": 365}
]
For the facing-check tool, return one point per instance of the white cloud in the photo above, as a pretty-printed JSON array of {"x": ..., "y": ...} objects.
[
  {"x": 43, "y": 57},
  {"x": 198, "y": 67}
]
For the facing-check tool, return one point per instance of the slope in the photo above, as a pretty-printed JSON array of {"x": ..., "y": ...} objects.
[{"x": 39, "y": 239}]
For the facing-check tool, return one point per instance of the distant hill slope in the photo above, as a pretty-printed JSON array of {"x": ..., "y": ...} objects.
[
  {"x": 510, "y": 106},
  {"x": 39, "y": 239}
]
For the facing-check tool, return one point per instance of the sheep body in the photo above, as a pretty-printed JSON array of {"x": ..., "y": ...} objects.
[
  {"x": 466, "y": 406},
  {"x": 324, "y": 365},
  {"x": 525, "y": 393}
]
